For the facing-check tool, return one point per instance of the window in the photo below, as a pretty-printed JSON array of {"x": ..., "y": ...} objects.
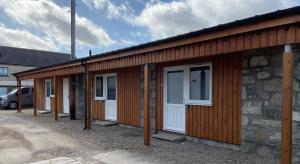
[
  {"x": 25, "y": 91},
  {"x": 99, "y": 87},
  {"x": 175, "y": 87},
  {"x": 52, "y": 87},
  {"x": 111, "y": 88},
  {"x": 3, "y": 71},
  {"x": 199, "y": 91},
  {"x": 189, "y": 84},
  {"x": 49, "y": 83}
]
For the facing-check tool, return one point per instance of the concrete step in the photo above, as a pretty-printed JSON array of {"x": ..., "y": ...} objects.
[
  {"x": 172, "y": 137},
  {"x": 58, "y": 160},
  {"x": 43, "y": 112},
  {"x": 62, "y": 115},
  {"x": 105, "y": 123}
]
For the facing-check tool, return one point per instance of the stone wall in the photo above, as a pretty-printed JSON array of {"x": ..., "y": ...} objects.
[
  {"x": 262, "y": 103},
  {"x": 79, "y": 93},
  {"x": 152, "y": 96}
]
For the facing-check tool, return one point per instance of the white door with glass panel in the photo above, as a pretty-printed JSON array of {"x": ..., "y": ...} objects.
[
  {"x": 110, "y": 102},
  {"x": 105, "y": 89},
  {"x": 185, "y": 85},
  {"x": 48, "y": 93},
  {"x": 174, "y": 108},
  {"x": 66, "y": 95}
]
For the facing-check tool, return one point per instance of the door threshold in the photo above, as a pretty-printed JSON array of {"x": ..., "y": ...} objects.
[
  {"x": 62, "y": 115},
  {"x": 105, "y": 123},
  {"x": 43, "y": 112},
  {"x": 171, "y": 137}
]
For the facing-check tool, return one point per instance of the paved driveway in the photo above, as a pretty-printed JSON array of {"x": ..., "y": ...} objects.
[{"x": 28, "y": 139}]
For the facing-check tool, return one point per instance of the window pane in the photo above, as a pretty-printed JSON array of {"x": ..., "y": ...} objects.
[
  {"x": 25, "y": 91},
  {"x": 111, "y": 88},
  {"x": 47, "y": 88},
  {"x": 175, "y": 87},
  {"x": 99, "y": 86},
  {"x": 200, "y": 83},
  {"x": 52, "y": 87},
  {"x": 3, "y": 71}
]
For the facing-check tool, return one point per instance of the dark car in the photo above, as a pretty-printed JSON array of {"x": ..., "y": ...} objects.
[{"x": 10, "y": 100}]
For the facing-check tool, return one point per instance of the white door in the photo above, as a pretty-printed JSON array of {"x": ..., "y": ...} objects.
[
  {"x": 48, "y": 89},
  {"x": 66, "y": 95},
  {"x": 174, "y": 107},
  {"x": 110, "y": 102}
]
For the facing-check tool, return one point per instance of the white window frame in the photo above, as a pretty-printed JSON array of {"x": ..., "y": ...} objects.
[
  {"x": 103, "y": 87},
  {"x": 50, "y": 81},
  {"x": 198, "y": 102},
  {"x": 186, "y": 84},
  {"x": 104, "y": 76}
]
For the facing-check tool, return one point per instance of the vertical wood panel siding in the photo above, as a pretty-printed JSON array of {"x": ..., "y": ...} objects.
[
  {"x": 40, "y": 94},
  {"x": 128, "y": 96},
  {"x": 225, "y": 45},
  {"x": 221, "y": 121},
  {"x": 98, "y": 110}
]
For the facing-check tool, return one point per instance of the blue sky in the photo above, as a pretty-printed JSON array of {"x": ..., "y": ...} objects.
[{"x": 105, "y": 25}]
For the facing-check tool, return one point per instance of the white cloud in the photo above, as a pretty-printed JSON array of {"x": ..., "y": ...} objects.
[
  {"x": 113, "y": 11},
  {"x": 54, "y": 22},
  {"x": 166, "y": 19},
  {"x": 24, "y": 39},
  {"x": 126, "y": 42}
]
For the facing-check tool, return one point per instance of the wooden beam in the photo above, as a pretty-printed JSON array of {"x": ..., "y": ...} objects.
[
  {"x": 55, "y": 98},
  {"x": 88, "y": 89},
  {"x": 287, "y": 107},
  {"x": 34, "y": 97},
  {"x": 147, "y": 124},
  {"x": 19, "y": 95}
]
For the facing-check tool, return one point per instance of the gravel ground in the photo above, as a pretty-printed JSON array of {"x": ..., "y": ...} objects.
[{"x": 103, "y": 139}]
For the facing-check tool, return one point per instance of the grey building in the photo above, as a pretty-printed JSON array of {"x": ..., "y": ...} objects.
[{"x": 14, "y": 60}]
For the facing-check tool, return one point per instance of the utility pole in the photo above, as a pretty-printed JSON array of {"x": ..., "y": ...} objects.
[{"x": 73, "y": 4}]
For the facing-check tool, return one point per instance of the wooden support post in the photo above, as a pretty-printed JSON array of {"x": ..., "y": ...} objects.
[
  {"x": 147, "y": 124},
  {"x": 34, "y": 97},
  {"x": 55, "y": 98},
  {"x": 287, "y": 106},
  {"x": 88, "y": 100},
  {"x": 19, "y": 95}
]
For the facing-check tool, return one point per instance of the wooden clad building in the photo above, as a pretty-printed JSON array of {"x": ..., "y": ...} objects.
[{"x": 189, "y": 84}]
